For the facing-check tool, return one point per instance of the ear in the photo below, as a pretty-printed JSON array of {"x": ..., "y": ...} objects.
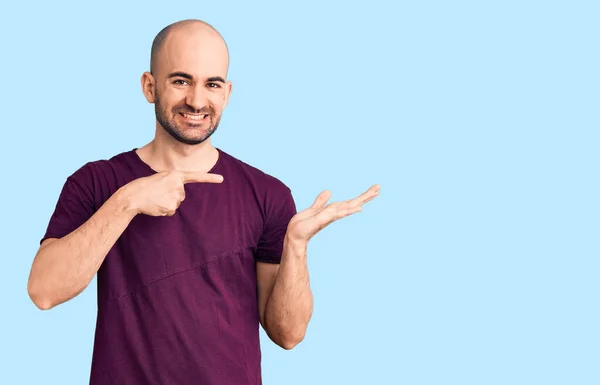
[
  {"x": 148, "y": 85},
  {"x": 228, "y": 87}
]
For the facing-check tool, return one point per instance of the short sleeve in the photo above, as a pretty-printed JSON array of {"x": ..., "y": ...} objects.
[
  {"x": 74, "y": 207},
  {"x": 279, "y": 214}
]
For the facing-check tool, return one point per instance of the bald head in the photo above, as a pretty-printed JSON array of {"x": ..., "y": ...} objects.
[
  {"x": 187, "y": 80},
  {"x": 187, "y": 34}
]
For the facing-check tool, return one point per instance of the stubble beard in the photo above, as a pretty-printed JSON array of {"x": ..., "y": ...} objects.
[{"x": 174, "y": 129}]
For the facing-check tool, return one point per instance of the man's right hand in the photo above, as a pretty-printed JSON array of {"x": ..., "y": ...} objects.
[{"x": 162, "y": 193}]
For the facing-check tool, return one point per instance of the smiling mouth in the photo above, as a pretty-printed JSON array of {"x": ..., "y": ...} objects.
[{"x": 194, "y": 117}]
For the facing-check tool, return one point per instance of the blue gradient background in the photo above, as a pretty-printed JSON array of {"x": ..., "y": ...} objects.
[{"x": 477, "y": 264}]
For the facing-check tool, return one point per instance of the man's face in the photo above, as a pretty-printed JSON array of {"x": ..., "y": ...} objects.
[{"x": 190, "y": 89}]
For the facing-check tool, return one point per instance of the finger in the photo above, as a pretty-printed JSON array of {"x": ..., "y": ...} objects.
[
  {"x": 335, "y": 212},
  {"x": 194, "y": 176},
  {"x": 365, "y": 197},
  {"x": 370, "y": 198},
  {"x": 321, "y": 199},
  {"x": 348, "y": 211},
  {"x": 180, "y": 193},
  {"x": 328, "y": 214}
]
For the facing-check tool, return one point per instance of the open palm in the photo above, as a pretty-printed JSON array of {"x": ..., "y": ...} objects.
[{"x": 305, "y": 224}]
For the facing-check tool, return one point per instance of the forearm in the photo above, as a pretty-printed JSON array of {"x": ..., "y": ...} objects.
[
  {"x": 63, "y": 268},
  {"x": 290, "y": 305}
]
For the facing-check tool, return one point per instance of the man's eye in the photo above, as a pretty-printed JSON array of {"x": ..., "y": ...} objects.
[
  {"x": 214, "y": 85},
  {"x": 180, "y": 82}
]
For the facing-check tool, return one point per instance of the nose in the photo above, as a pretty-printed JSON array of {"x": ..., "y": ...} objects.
[{"x": 197, "y": 98}]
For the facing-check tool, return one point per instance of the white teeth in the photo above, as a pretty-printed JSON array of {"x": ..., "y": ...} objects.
[{"x": 195, "y": 117}]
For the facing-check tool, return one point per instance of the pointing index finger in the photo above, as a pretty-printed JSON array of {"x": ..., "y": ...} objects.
[{"x": 202, "y": 177}]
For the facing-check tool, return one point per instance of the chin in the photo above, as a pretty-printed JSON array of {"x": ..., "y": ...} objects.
[{"x": 192, "y": 139}]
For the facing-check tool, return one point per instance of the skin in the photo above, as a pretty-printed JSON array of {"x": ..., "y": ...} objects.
[
  {"x": 188, "y": 76},
  {"x": 285, "y": 298}
]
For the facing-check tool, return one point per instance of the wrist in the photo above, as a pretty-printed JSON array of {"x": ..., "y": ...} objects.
[
  {"x": 295, "y": 246},
  {"x": 125, "y": 202}
]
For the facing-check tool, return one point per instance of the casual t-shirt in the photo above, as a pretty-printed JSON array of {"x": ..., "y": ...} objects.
[{"x": 177, "y": 295}]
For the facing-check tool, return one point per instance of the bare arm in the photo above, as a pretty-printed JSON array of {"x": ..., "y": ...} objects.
[
  {"x": 285, "y": 298},
  {"x": 64, "y": 267}
]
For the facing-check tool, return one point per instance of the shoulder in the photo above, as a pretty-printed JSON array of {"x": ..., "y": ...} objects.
[
  {"x": 262, "y": 180},
  {"x": 94, "y": 170},
  {"x": 274, "y": 197}
]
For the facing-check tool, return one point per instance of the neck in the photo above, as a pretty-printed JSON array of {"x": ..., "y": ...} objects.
[{"x": 166, "y": 153}]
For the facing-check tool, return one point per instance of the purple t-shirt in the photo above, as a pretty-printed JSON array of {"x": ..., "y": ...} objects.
[{"x": 177, "y": 296}]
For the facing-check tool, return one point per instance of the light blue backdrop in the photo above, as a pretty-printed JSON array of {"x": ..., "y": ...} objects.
[{"x": 477, "y": 264}]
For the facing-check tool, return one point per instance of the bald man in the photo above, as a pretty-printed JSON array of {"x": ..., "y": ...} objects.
[{"x": 192, "y": 248}]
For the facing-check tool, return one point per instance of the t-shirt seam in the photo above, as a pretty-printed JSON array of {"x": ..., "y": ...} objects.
[
  {"x": 92, "y": 186},
  {"x": 202, "y": 264},
  {"x": 280, "y": 210},
  {"x": 277, "y": 260}
]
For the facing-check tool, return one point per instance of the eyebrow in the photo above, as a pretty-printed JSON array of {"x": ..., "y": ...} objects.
[
  {"x": 190, "y": 77},
  {"x": 179, "y": 74},
  {"x": 216, "y": 79}
]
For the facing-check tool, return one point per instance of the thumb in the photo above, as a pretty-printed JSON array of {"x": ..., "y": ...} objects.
[{"x": 321, "y": 199}]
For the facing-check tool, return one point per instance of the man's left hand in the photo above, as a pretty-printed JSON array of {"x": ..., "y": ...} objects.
[{"x": 305, "y": 224}]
